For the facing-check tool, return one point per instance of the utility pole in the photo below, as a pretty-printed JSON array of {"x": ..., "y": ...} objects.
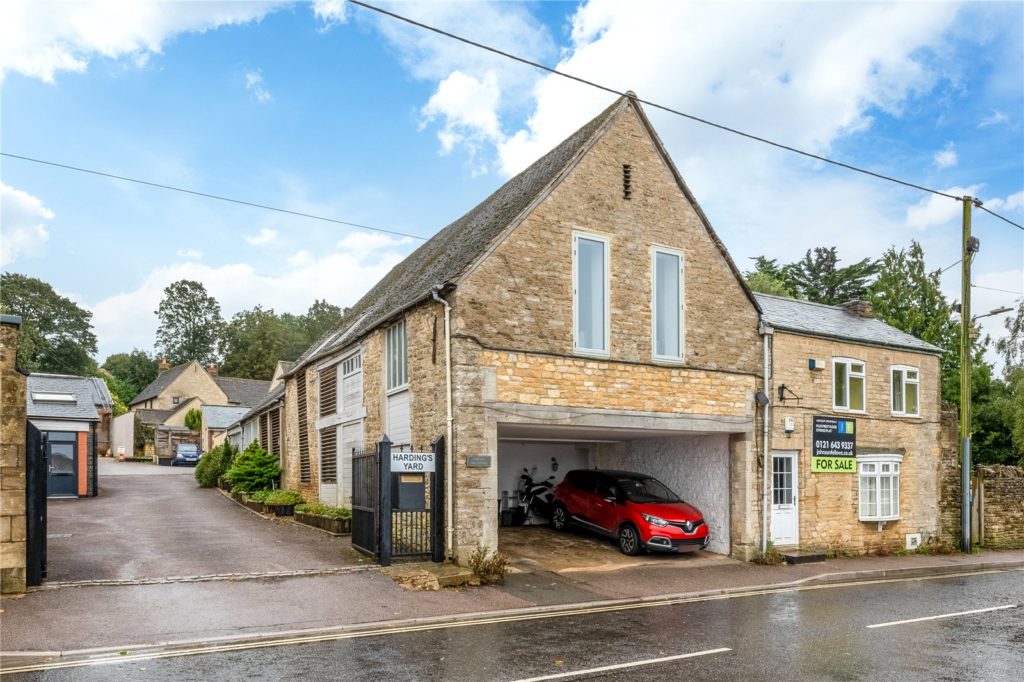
[{"x": 970, "y": 247}]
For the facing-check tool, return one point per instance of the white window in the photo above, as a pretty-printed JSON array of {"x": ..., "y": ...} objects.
[
  {"x": 590, "y": 293},
  {"x": 351, "y": 396},
  {"x": 848, "y": 385},
  {"x": 395, "y": 356},
  {"x": 905, "y": 391},
  {"x": 879, "y": 487},
  {"x": 667, "y": 303}
]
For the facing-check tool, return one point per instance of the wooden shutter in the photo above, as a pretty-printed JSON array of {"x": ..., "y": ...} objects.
[
  {"x": 329, "y": 391},
  {"x": 264, "y": 431},
  {"x": 275, "y": 431},
  {"x": 304, "y": 472},
  {"x": 329, "y": 455}
]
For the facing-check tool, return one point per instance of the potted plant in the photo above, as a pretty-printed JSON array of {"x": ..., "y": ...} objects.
[
  {"x": 336, "y": 520},
  {"x": 283, "y": 502}
]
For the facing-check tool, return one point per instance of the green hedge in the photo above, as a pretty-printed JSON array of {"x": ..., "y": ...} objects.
[
  {"x": 282, "y": 498},
  {"x": 253, "y": 469},
  {"x": 214, "y": 464}
]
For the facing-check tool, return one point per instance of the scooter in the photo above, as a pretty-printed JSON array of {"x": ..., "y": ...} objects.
[{"x": 535, "y": 499}]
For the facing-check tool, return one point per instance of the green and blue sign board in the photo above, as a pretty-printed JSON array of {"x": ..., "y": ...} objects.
[{"x": 834, "y": 445}]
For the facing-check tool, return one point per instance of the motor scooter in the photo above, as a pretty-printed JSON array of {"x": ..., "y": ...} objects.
[{"x": 535, "y": 499}]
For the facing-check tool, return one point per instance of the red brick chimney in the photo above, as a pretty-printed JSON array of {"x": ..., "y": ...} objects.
[{"x": 212, "y": 369}]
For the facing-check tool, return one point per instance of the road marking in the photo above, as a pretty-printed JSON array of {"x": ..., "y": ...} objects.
[
  {"x": 623, "y": 666},
  {"x": 331, "y": 634},
  {"x": 944, "y": 615}
]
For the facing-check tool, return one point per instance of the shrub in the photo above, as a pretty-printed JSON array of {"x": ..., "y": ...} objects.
[
  {"x": 281, "y": 498},
  {"x": 260, "y": 496},
  {"x": 491, "y": 569},
  {"x": 325, "y": 510},
  {"x": 770, "y": 557},
  {"x": 253, "y": 469},
  {"x": 214, "y": 464}
]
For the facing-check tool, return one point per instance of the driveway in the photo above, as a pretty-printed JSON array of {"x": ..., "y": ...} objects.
[{"x": 154, "y": 522}]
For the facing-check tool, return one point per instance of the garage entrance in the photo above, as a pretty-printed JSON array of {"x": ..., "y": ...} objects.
[{"x": 694, "y": 465}]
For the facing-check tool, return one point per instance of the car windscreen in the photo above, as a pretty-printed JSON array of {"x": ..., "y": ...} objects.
[
  {"x": 646, "y": 490},
  {"x": 188, "y": 448}
]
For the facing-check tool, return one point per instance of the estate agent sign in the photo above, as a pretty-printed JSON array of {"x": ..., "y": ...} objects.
[{"x": 833, "y": 447}]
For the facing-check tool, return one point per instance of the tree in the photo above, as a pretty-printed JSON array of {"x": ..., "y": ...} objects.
[
  {"x": 909, "y": 298},
  {"x": 252, "y": 344},
  {"x": 321, "y": 318},
  {"x": 768, "y": 277},
  {"x": 132, "y": 372},
  {"x": 1011, "y": 348},
  {"x": 190, "y": 323},
  {"x": 819, "y": 278},
  {"x": 194, "y": 419},
  {"x": 56, "y": 334}
]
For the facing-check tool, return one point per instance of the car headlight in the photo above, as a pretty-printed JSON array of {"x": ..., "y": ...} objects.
[{"x": 654, "y": 520}]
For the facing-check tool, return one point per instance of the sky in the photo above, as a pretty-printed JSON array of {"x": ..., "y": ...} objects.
[{"x": 330, "y": 109}]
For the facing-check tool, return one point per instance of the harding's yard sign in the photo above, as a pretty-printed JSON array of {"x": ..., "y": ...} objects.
[
  {"x": 833, "y": 449},
  {"x": 412, "y": 462}
]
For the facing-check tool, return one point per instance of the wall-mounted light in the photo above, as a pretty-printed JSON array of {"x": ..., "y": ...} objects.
[{"x": 761, "y": 398}]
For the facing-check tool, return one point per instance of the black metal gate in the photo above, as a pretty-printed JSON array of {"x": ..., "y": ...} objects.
[
  {"x": 365, "y": 500},
  {"x": 36, "y": 475},
  {"x": 414, "y": 522}
]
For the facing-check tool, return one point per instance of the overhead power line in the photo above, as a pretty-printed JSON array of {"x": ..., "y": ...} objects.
[
  {"x": 1017, "y": 225},
  {"x": 1005, "y": 291},
  {"x": 212, "y": 196}
]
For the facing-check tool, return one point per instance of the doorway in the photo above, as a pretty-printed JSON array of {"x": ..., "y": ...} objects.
[
  {"x": 785, "y": 518},
  {"x": 62, "y": 456}
]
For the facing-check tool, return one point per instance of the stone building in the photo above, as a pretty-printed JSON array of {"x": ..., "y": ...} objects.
[
  {"x": 837, "y": 367},
  {"x": 583, "y": 315},
  {"x": 13, "y": 420}
]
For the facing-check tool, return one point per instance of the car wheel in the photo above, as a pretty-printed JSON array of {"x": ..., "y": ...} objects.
[
  {"x": 560, "y": 517},
  {"x": 629, "y": 540}
]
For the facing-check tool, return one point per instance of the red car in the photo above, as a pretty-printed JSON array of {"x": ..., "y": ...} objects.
[{"x": 638, "y": 510}]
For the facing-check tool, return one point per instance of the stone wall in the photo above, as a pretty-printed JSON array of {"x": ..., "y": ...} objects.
[
  {"x": 13, "y": 409},
  {"x": 1003, "y": 507},
  {"x": 828, "y": 502},
  {"x": 950, "y": 487},
  {"x": 291, "y": 478}
]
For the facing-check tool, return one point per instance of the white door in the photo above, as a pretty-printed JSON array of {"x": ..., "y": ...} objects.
[
  {"x": 785, "y": 519},
  {"x": 399, "y": 429},
  {"x": 351, "y": 437}
]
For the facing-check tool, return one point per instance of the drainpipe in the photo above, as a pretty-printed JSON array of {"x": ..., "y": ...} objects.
[
  {"x": 766, "y": 332},
  {"x": 449, "y": 445}
]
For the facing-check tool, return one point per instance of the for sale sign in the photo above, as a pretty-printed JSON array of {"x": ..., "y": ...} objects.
[
  {"x": 834, "y": 445},
  {"x": 412, "y": 462}
]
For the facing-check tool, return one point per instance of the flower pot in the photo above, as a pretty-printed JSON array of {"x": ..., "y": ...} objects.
[{"x": 284, "y": 510}]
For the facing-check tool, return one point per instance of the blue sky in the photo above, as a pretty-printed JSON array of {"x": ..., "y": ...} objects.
[{"x": 329, "y": 109}]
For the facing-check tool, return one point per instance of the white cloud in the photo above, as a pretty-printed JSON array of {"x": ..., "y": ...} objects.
[
  {"x": 41, "y": 39},
  {"x": 254, "y": 84},
  {"x": 23, "y": 220},
  {"x": 469, "y": 109},
  {"x": 995, "y": 118},
  {"x": 190, "y": 254},
  {"x": 126, "y": 320},
  {"x": 264, "y": 236},
  {"x": 935, "y": 210},
  {"x": 1010, "y": 203},
  {"x": 330, "y": 12},
  {"x": 365, "y": 243},
  {"x": 945, "y": 157}
]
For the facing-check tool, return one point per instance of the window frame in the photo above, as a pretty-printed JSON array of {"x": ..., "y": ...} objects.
[
  {"x": 606, "y": 242},
  {"x": 388, "y": 368},
  {"x": 655, "y": 250},
  {"x": 903, "y": 369},
  {"x": 894, "y": 461},
  {"x": 863, "y": 375}
]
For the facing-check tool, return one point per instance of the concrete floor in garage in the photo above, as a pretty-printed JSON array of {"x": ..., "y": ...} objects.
[{"x": 533, "y": 548}]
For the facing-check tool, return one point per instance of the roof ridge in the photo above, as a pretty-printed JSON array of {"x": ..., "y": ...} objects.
[{"x": 806, "y": 302}]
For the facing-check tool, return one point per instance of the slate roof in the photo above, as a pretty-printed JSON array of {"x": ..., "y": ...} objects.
[
  {"x": 89, "y": 393},
  {"x": 450, "y": 252},
  {"x": 831, "y": 321},
  {"x": 222, "y": 416},
  {"x": 269, "y": 399},
  {"x": 159, "y": 384},
  {"x": 244, "y": 392},
  {"x": 155, "y": 416}
]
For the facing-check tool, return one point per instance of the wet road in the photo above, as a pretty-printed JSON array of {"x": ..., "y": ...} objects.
[{"x": 853, "y": 632}]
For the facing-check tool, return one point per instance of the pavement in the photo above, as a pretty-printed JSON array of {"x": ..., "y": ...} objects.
[{"x": 185, "y": 565}]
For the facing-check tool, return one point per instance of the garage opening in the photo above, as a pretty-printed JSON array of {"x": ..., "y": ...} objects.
[{"x": 695, "y": 466}]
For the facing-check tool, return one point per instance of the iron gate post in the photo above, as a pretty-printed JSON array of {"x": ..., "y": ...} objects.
[
  {"x": 384, "y": 501},
  {"x": 437, "y": 503}
]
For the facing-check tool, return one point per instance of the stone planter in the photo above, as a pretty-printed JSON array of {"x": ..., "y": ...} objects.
[
  {"x": 255, "y": 506},
  {"x": 237, "y": 497},
  {"x": 329, "y": 523},
  {"x": 283, "y": 509}
]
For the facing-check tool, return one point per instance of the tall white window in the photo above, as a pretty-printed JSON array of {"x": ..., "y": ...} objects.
[
  {"x": 395, "y": 356},
  {"x": 879, "y": 487},
  {"x": 351, "y": 394},
  {"x": 667, "y": 303},
  {"x": 590, "y": 293},
  {"x": 905, "y": 390},
  {"x": 848, "y": 385}
]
